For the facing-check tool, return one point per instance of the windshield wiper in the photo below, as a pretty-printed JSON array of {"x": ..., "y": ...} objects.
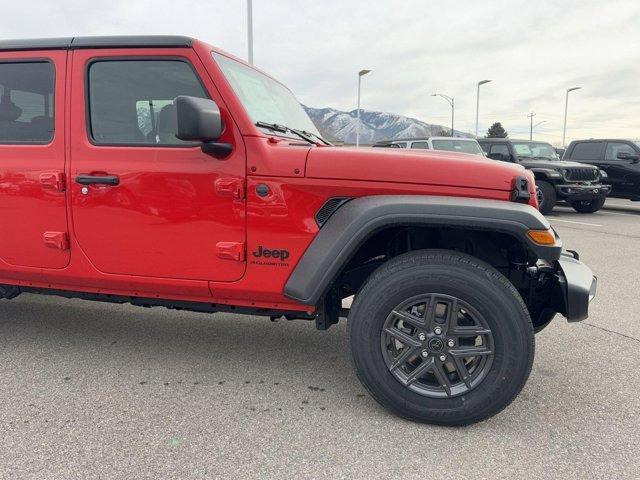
[
  {"x": 311, "y": 134},
  {"x": 276, "y": 127}
]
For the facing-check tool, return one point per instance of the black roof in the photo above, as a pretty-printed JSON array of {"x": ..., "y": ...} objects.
[{"x": 116, "y": 41}]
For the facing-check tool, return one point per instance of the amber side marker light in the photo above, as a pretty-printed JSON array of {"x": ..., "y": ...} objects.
[{"x": 542, "y": 237}]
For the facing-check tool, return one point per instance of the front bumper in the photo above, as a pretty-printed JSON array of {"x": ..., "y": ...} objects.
[
  {"x": 577, "y": 285},
  {"x": 578, "y": 191}
]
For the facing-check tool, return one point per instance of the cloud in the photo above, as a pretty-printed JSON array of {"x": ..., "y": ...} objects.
[{"x": 533, "y": 51}]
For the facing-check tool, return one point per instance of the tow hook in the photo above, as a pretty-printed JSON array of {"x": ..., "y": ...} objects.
[{"x": 541, "y": 272}]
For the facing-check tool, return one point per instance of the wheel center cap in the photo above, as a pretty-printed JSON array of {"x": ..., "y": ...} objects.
[{"x": 436, "y": 344}]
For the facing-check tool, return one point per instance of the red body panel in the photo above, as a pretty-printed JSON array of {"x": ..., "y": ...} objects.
[
  {"x": 181, "y": 224},
  {"x": 31, "y": 201}
]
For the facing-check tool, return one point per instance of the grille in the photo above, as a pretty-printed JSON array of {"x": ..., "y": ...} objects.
[
  {"x": 329, "y": 207},
  {"x": 581, "y": 174}
]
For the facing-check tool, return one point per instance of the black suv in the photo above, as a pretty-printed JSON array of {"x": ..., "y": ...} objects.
[
  {"x": 619, "y": 158},
  {"x": 577, "y": 183}
]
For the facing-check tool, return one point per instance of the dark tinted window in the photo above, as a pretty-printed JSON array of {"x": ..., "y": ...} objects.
[
  {"x": 500, "y": 149},
  {"x": 26, "y": 102},
  {"x": 131, "y": 101},
  {"x": 613, "y": 148},
  {"x": 586, "y": 151}
]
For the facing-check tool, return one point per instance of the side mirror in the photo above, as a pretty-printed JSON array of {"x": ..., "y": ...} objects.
[
  {"x": 198, "y": 119},
  {"x": 628, "y": 156}
]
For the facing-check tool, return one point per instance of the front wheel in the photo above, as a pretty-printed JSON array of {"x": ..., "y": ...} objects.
[
  {"x": 441, "y": 337},
  {"x": 546, "y": 196},
  {"x": 588, "y": 206}
]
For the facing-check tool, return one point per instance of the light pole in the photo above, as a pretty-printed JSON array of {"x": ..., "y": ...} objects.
[
  {"x": 534, "y": 127},
  {"x": 566, "y": 106},
  {"x": 250, "y": 30},
  {"x": 482, "y": 82},
  {"x": 451, "y": 102},
  {"x": 361, "y": 73}
]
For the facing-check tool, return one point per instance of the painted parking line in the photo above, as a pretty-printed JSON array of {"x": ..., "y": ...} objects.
[{"x": 576, "y": 223}]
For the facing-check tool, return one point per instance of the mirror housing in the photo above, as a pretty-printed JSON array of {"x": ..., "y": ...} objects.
[
  {"x": 199, "y": 119},
  {"x": 628, "y": 156}
]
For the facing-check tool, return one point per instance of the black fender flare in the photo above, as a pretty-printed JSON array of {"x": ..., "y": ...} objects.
[
  {"x": 355, "y": 221},
  {"x": 543, "y": 174}
]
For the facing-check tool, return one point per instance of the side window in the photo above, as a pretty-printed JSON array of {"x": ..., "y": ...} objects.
[
  {"x": 131, "y": 101},
  {"x": 485, "y": 147},
  {"x": 613, "y": 148},
  {"x": 26, "y": 102},
  {"x": 586, "y": 151},
  {"x": 500, "y": 149},
  {"x": 422, "y": 145}
]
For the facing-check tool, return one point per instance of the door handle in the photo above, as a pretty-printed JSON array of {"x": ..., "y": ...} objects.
[{"x": 98, "y": 180}]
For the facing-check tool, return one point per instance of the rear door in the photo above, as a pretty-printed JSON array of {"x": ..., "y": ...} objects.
[
  {"x": 33, "y": 219},
  {"x": 158, "y": 207}
]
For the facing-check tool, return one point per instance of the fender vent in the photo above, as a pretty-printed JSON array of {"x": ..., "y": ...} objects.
[{"x": 329, "y": 208}]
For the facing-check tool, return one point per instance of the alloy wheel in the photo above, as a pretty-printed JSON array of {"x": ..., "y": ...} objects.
[{"x": 437, "y": 345}]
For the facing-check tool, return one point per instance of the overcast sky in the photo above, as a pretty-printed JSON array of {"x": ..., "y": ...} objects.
[{"x": 532, "y": 50}]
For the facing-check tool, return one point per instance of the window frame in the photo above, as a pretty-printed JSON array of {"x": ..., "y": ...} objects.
[
  {"x": 53, "y": 107},
  {"x": 133, "y": 58}
]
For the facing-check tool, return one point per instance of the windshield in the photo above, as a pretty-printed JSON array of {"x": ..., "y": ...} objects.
[
  {"x": 535, "y": 150},
  {"x": 637, "y": 143},
  {"x": 265, "y": 99},
  {"x": 465, "y": 146}
]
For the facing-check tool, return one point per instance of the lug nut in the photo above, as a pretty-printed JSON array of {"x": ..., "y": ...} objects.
[
  {"x": 451, "y": 342},
  {"x": 438, "y": 330},
  {"x": 422, "y": 337},
  {"x": 443, "y": 358},
  {"x": 425, "y": 353}
]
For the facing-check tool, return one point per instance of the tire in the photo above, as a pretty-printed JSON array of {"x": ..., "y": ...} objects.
[
  {"x": 471, "y": 283},
  {"x": 546, "y": 197},
  {"x": 588, "y": 206}
]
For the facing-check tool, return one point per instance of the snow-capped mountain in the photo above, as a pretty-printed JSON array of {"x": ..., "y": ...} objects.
[{"x": 375, "y": 126}]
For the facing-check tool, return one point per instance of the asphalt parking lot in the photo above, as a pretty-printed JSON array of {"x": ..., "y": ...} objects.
[{"x": 91, "y": 390}]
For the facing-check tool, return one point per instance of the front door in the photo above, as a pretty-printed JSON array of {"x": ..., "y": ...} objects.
[
  {"x": 33, "y": 217},
  {"x": 145, "y": 203},
  {"x": 624, "y": 174}
]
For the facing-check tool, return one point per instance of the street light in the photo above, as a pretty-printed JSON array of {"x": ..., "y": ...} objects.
[
  {"x": 250, "y": 30},
  {"x": 361, "y": 73},
  {"x": 566, "y": 105},
  {"x": 450, "y": 101},
  {"x": 534, "y": 127},
  {"x": 482, "y": 82}
]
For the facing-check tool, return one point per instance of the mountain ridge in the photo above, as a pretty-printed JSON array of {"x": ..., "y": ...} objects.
[{"x": 338, "y": 125}]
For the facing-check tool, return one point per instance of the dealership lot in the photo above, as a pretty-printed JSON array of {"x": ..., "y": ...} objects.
[{"x": 92, "y": 390}]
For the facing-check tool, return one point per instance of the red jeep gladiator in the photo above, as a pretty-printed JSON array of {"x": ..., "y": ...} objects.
[{"x": 160, "y": 171}]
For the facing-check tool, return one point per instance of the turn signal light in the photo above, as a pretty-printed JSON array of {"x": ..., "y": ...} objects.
[{"x": 542, "y": 237}]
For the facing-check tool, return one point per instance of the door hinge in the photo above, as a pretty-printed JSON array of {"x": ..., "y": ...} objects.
[
  {"x": 59, "y": 240},
  {"x": 230, "y": 187},
  {"x": 53, "y": 180},
  {"x": 231, "y": 251}
]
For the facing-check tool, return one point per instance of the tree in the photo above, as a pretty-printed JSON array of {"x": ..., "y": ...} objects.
[{"x": 497, "y": 131}]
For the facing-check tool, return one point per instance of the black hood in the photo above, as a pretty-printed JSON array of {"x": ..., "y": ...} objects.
[{"x": 551, "y": 164}]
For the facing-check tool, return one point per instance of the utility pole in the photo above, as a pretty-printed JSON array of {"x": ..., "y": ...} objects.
[
  {"x": 250, "y": 30},
  {"x": 531, "y": 115}
]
